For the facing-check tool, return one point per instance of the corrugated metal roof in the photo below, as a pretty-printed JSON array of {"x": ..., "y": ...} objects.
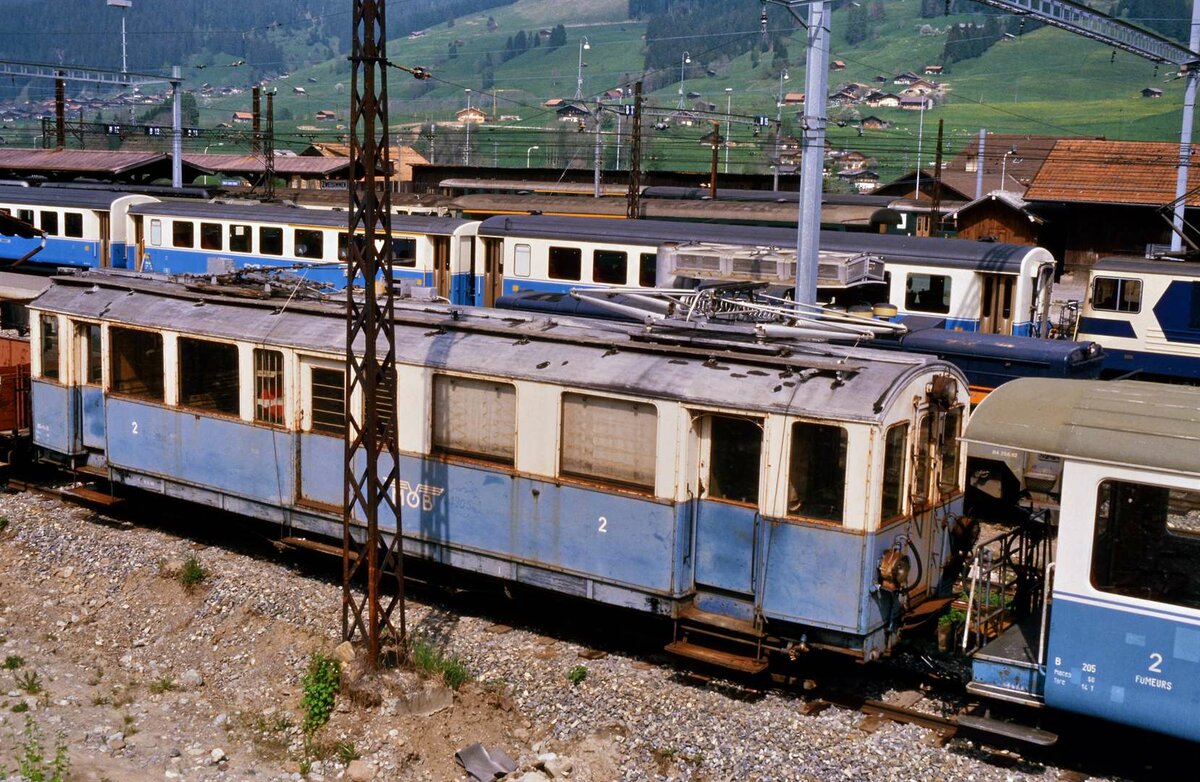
[
  {"x": 1123, "y": 422},
  {"x": 1110, "y": 172},
  {"x": 284, "y": 164},
  {"x": 1018, "y": 168},
  {"x": 82, "y": 160}
]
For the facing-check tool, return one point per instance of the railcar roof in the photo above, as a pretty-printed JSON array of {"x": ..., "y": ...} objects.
[
  {"x": 1147, "y": 266},
  {"x": 829, "y": 382},
  {"x": 1123, "y": 422},
  {"x": 272, "y": 213},
  {"x": 951, "y": 253},
  {"x": 59, "y": 196}
]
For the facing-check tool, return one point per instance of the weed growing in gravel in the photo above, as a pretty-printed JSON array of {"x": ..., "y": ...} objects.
[
  {"x": 192, "y": 574},
  {"x": 320, "y": 687},
  {"x": 29, "y": 681},
  {"x": 347, "y": 752},
  {"x": 3, "y": 523},
  {"x": 33, "y": 765},
  {"x": 127, "y": 725},
  {"x": 577, "y": 674},
  {"x": 13, "y": 662},
  {"x": 426, "y": 657},
  {"x": 20, "y": 708},
  {"x": 164, "y": 684}
]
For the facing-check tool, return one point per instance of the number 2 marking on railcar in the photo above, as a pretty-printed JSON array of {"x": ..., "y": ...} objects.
[
  {"x": 603, "y": 525},
  {"x": 1156, "y": 666},
  {"x": 134, "y": 423}
]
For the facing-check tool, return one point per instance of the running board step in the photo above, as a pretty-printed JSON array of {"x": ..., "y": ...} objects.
[
  {"x": 313, "y": 545},
  {"x": 93, "y": 497},
  {"x": 1008, "y": 730},
  {"x": 705, "y": 654},
  {"x": 695, "y": 616}
]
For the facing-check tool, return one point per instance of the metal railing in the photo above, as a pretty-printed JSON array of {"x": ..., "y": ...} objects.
[{"x": 1007, "y": 579}]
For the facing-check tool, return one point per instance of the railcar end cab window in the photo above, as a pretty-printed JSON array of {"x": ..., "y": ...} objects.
[
  {"x": 648, "y": 270},
  {"x": 136, "y": 363},
  {"x": 1147, "y": 542},
  {"x": 565, "y": 263},
  {"x": 521, "y": 260},
  {"x": 927, "y": 293},
  {"x": 208, "y": 375},
  {"x": 609, "y": 440},
  {"x": 270, "y": 240},
  {"x": 210, "y": 236},
  {"x": 328, "y": 387},
  {"x": 270, "y": 394},
  {"x": 308, "y": 244},
  {"x": 950, "y": 449},
  {"x": 73, "y": 225},
  {"x": 474, "y": 417},
  {"x": 894, "y": 451},
  {"x": 240, "y": 238},
  {"x": 610, "y": 267},
  {"x": 1116, "y": 294},
  {"x": 817, "y": 472},
  {"x": 735, "y": 448},
  {"x": 50, "y": 223},
  {"x": 50, "y": 347},
  {"x": 183, "y": 234}
]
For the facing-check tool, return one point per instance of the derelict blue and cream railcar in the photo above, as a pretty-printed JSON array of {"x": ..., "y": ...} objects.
[
  {"x": 82, "y": 228},
  {"x": 972, "y": 286},
  {"x": 185, "y": 237},
  {"x": 1146, "y": 314},
  {"x": 760, "y": 490},
  {"x": 1120, "y": 636}
]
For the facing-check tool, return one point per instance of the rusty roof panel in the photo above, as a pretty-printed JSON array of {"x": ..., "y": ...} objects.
[
  {"x": 82, "y": 160},
  {"x": 284, "y": 164},
  {"x": 1109, "y": 172}
]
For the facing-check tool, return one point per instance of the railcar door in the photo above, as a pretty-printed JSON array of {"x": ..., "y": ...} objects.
[
  {"x": 996, "y": 303},
  {"x": 441, "y": 265},
  {"x": 105, "y": 259},
  {"x": 493, "y": 271},
  {"x": 726, "y": 504}
]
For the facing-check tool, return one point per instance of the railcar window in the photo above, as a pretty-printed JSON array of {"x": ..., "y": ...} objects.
[
  {"x": 270, "y": 240},
  {"x": 648, "y": 270},
  {"x": 270, "y": 394},
  {"x": 610, "y": 267},
  {"x": 329, "y": 401},
  {"x": 817, "y": 472},
  {"x": 210, "y": 236},
  {"x": 136, "y": 363},
  {"x": 1117, "y": 294},
  {"x": 922, "y": 464},
  {"x": 612, "y": 440},
  {"x": 87, "y": 338},
  {"x": 50, "y": 347},
  {"x": 26, "y": 215},
  {"x": 240, "y": 238},
  {"x": 735, "y": 449},
  {"x": 521, "y": 260},
  {"x": 50, "y": 223},
  {"x": 183, "y": 233},
  {"x": 474, "y": 417},
  {"x": 73, "y": 225},
  {"x": 308, "y": 244},
  {"x": 208, "y": 375},
  {"x": 894, "y": 452},
  {"x": 951, "y": 428},
  {"x": 566, "y": 263},
  {"x": 927, "y": 293},
  {"x": 156, "y": 233},
  {"x": 404, "y": 252},
  {"x": 1147, "y": 542}
]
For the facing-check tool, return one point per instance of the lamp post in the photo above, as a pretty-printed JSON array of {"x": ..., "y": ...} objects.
[
  {"x": 686, "y": 59},
  {"x": 124, "y": 5},
  {"x": 467, "y": 122},
  {"x": 728, "y": 123},
  {"x": 527, "y": 152},
  {"x": 1004, "y": 165},
  {"x": 783, "y": 76},
  {"x": 583, "y": 44},
  {"x": 920, "y": 135}
]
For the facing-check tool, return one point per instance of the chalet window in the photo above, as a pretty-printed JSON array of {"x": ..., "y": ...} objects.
[
  {"x": 609, "y": 267},
  {"x": 87, "y": 338},
  {"x": 927, "y": 293},
  {"x": 270, "y": 394},
  {"x": 566, "y": 263},
  {"x": 521, "y": 260},
  {"x": 950, "y": 451},
  {"x": 1116, "y": 294},
  {"x": 308, "y": 244},
  {"x": 611, "y": 440},
  {"x": 894, "y": 452},
  {"x": 183, "y": 234},
  {"x": 474, "y": 417},
  {"x": 210, "y": 236},
  {"x": 648, "y": 270},
  {"x": 208, "y": 375},
  {"x": 50, "y": 347},
  {"x": 136, "y": 366},
  {"x": 735, "y": 450},
  {"x": 50, "y": 223},
  {"x": 329, "y": 401},
  {"x": 817, "y": 472},
  {"x": 270, "y": 241},
  {"x": 156, "y": 233},
  {"x": 73, "y": 225},
  {"x": 240, "y": 237},
  {"x": 1147, "y": 542}
]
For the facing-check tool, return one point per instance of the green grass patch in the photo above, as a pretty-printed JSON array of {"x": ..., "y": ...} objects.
[{"x": 433, "y": 661}]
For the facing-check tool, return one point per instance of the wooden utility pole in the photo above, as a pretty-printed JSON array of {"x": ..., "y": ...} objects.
[{"x": 633, "y": 202}]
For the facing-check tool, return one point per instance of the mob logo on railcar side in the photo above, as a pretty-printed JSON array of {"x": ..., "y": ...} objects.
[{"x": 420, "y": 496}]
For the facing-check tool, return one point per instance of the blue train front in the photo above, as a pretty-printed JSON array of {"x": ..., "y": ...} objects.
[{"x": 790, "y": 498}]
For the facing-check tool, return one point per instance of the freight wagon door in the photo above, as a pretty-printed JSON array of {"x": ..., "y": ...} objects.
[{"x": 726, "y": 514}]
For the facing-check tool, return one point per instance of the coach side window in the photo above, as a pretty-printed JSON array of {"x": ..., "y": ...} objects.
[
  {"x": 308, "y": 244},
  {"x": 239, "y": 238},
  {"x": 50, "y": 223},
  {"x": 927, "y": 293},
  {"x": 1147, "y": 542},
  {"x": 609, "y": 267},
  {"x": 183, "y": 233},
  {"x": 565, "y": 263},
  {"x": 208, "y": 375},
  {"x": 475, "y": 418},
  {"x": 210, "y": 236},
  {"x": 1116, "y": 294},
  {"x": 521, "y": 260},
  {"x": 50, "y": 347},
  {"x": 648, "y": 270},
  {"x": 156, "y": 233},
  {"x": 404, "y": 252},
  {"x": 817, "y": 472},
  {"x": 73, "y": 225},
  {"x": 136, "y": 363},
  {"x": 270, "y": 394},
  {"x": 329, "y": 401},
  {"x": 893, "y": 471},
  {"x": 88, "y": 353},
  {"x": 270, "y": 240},
  {"x": 609, "y": 440},
  {"x": 25, "y": 215},
  {"x": 734, "y": 457}
]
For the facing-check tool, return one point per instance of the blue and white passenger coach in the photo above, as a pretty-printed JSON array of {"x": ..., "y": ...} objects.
[
  {"x": 795, "y": 496},
  {"x": 82, "y": 228}
]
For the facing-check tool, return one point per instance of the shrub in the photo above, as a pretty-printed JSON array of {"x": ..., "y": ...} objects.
[
  {"x": 192, "y": 574},
  {"x": 577, "y": 674},
  {"x": 320, "y": 688},
  {"x": 13, "y": 662},
  {"x": 426, "y": 657}
]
